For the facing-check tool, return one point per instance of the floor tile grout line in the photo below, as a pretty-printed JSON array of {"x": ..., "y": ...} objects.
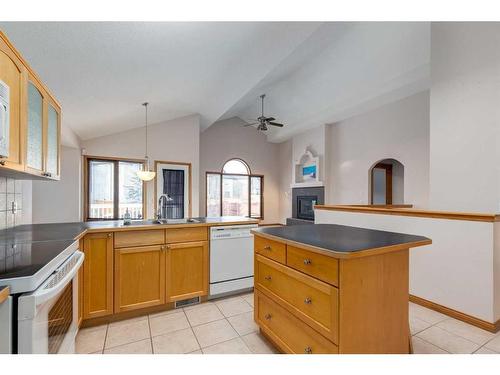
[
  {"x": 150, "y": 335},
  {"x": 430, "y": 343},
  {"x": 451, "y": 333}
]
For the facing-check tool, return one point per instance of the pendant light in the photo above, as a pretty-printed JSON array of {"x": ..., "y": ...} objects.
[{"x": 146, "y": 174}]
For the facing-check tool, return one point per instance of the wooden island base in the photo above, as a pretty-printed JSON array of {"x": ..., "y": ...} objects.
[{"x": 311, "y": 300}]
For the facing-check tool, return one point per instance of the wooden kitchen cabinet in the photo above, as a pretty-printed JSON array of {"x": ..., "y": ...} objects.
[
  {"x": 35, "y": 118},
  {"x": 187, "y": 270},
  {"x": 98, "y": 275},
  {"x": 52, "y": 150},
  {"x": 14, "y": 74},
  {"x": 139, "y": 277}
]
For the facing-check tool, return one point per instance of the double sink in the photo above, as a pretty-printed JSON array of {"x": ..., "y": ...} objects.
[{"x": 166, "y": 221}]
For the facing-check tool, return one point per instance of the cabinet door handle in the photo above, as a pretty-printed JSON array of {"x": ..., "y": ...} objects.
[
  {"x": 268, "y": 278},
  {"x": 268, "y": 316},
  {"x": 308, "y": 350},
  {"x": 308, "y": 301},
  {"x": 2, "y": 162},
  {"x": 268, "y": 248},
  {"x": 168, "y": 247},
  {"x": 307, "y": 261},
  {"x": 109, "y": 235}
]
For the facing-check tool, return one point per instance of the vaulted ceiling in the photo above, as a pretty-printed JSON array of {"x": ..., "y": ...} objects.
[{"x": 312, "y": 73}]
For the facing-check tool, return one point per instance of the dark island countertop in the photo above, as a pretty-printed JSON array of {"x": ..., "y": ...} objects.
[{"x": 342, "y": 241}]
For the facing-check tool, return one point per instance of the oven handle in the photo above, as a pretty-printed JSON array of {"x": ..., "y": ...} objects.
[{"x": 43, "y": 294}]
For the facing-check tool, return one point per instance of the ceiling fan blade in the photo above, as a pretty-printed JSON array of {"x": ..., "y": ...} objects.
[
  {"x": 275, "y": 124},
  {"x": 252, "y": 124},
  {"x": 269, "y": 119}
]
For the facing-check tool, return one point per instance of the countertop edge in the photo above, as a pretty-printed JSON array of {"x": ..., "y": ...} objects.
[
  {"x": 161, "y": 226},
  {"x": 346, "y": 255}
]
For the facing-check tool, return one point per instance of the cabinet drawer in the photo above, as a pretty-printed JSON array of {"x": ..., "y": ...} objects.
[
  {"x": 311, "y": 300},
  {"x": 176, "y": 235},
  {"x": 319, "y": 266},
  {"x": 288, "y": 332},
  {"x": 134, "y": 238},
  {"x": 270, "y": 249}
]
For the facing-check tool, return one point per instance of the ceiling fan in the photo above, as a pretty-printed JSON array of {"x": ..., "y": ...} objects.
[{"x": 262, "y": 121}]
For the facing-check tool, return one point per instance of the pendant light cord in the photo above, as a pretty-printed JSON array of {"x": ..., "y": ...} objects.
[{"x": 147, "y": 157}]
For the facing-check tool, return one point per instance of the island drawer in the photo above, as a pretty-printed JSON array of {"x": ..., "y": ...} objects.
[
  {"x": 288, "y": 332},
  {"x": 134, "y": 238},
  {"x": 317, "y": 265},
  {"x": 176, "y": 235},
  {"x": 313, "y": 301},
  {"x": 270, "y": 249}
]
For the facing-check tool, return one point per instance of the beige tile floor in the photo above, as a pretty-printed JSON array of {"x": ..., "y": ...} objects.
[{"x": 226, "y": 326}]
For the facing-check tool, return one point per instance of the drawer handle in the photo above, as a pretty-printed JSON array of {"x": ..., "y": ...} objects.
[
  {"x": 308, "y": 350},
  {"x": 307, "y": 261},
  {"x": 267, "y": 248},
  {"x": 308, "y": 301},
  {"x": 268, "y": 278},
  {"x": 2, "y": 162},
  {"x": 268, "y": 316}
]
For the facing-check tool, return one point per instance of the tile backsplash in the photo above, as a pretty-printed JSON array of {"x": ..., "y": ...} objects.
[{"x": 11, "y": 202}]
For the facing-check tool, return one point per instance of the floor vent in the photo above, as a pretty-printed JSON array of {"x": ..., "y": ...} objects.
[{"x": 187, "y": 302}]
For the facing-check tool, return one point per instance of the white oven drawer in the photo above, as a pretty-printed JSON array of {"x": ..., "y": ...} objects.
[{"x": 48, "y": 317}]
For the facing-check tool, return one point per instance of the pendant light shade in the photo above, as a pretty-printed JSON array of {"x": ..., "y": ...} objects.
[{"x": 146, "y": 174}]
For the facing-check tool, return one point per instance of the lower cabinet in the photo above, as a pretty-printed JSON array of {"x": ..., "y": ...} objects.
[
  {"x": 139, "y": 277},
  {"x": 98, "y": 275},
  {"x": 187, "y": 270}
]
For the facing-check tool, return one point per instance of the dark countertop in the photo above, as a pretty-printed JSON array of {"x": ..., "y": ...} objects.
[
  {"x": 25, "y": 249},
  {"x": 342, "y": 239},
  {"x": 71, "y": 231}
]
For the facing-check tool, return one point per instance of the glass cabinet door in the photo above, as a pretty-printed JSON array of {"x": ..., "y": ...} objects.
[
  {"x": 52, "y": 141},
  {"x": 34, "y": 157}
]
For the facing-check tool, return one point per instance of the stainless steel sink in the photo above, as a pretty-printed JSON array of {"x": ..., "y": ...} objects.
[{"x": 177, "y": 221}]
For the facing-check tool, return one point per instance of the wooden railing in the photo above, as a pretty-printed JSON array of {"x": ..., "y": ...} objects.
[{"x": 408, "y": 211}]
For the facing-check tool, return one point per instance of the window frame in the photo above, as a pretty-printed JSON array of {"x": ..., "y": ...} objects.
[
  {"x": 249, "y": 175},
  {"x": 86, "y": 162}
]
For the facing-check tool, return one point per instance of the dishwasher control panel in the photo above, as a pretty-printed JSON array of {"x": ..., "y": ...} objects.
[{"x": 229, "y": 232}]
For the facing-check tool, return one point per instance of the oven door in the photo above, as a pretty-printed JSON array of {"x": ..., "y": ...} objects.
[{"x": 48, "y": 317}]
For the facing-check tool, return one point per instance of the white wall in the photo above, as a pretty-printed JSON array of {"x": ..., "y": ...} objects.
[
  {"x": 446, "y": 272},
  {"x": 229, "y": 139},
  {"x": 465, "y": 117},
  {"x": 285, "y": 173},
  {"x": 400, "y": 131},
  {"x": 175, "y": 140},
  {"x": 60, "y": 201}
]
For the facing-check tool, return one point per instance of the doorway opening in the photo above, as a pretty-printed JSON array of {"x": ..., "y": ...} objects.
[{"x": 387, "y": 182}]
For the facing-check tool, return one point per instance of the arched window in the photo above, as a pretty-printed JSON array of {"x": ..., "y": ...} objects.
[
  {"x": 234, "y": 191},
  {"x": 236, "y": 166}
]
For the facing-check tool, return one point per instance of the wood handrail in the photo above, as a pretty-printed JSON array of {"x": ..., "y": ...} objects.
[
  {"x": 4, "y": 293},
  {"x": 465, "y": 216}
]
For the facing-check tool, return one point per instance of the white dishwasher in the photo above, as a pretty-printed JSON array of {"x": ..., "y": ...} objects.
[{"x": 231, "y": 259}]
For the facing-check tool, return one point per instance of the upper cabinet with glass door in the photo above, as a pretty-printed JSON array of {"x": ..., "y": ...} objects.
[
  {"x": 30, "y": 119},
  {"x": 43, "y": 132},
  {"x": 35, "y": 129},
  {"x": 52, "y": 150}
]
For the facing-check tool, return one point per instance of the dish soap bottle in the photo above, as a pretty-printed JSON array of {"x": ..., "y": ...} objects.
[{"x": 126, "y": 218}]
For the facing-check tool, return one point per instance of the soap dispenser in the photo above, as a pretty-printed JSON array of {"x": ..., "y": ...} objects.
[{"x": 126, "y": 218}]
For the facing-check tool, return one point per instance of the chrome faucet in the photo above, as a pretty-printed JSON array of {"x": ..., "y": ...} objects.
[{"x": 161, "y": 212}]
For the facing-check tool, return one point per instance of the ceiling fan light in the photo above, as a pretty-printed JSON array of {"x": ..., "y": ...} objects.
[{"x": 146, "y": 175}]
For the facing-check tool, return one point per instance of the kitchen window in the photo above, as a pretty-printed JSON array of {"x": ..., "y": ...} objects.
[
  {"x": 235, "y": 191},
  {"x": 112, "y": 187}
]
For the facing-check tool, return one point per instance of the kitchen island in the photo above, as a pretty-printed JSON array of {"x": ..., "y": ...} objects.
[{"x": 328, "y": 288}]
